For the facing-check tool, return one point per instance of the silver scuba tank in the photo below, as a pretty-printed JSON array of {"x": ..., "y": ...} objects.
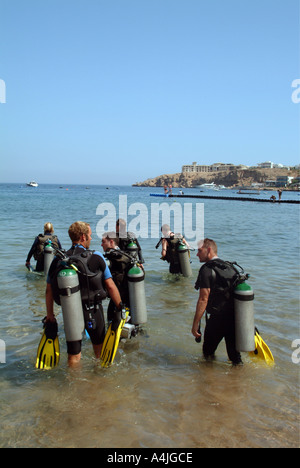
[
  {"x": 70, "y": 299},
  {"x": 244, "y": 317},
  {"x": 184, "y": 260},
  {"x": 137, "y": 296},
  {"x": 49, "y": 253}
]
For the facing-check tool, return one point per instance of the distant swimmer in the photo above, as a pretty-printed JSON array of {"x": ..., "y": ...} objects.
[{"x": 37, "y": 248}]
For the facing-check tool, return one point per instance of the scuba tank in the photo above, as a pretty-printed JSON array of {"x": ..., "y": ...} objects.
[
  {"x": 70, "y": 299},
  {"x": 132, "y": 249},
  {"x": 137, "y": 297},
  {"x": 49, "y": 253},
  {"x": 184, "y": 259},
  {"x": 244, "y": 317}
]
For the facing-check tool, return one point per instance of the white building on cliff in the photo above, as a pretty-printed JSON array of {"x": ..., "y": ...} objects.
[{"x": 217, "y": 167}]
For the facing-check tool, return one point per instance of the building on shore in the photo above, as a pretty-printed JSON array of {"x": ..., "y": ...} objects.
[
  {"x": 217, "y": 167},
  {"x": 266, "y": 165},
  {"x": 271, "y": 165},
  {"x": 282, "y": 181}
]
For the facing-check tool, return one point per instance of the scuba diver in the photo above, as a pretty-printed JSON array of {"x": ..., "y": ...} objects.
[
  {"x": 175, "y": 250},
  {"x": 128, "y": 275},
  {"x": 82, "y": 301},
  {"x": 125, "y": 238},
  {"x": 37, "y": 248},
  {"x": 119, "y": 264},
  {"x": 227, "y": 299},
  {"x": 215, "y": 283}
]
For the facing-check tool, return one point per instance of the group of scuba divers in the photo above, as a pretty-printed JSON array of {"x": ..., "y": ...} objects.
[{"x": 80, "y": 279}]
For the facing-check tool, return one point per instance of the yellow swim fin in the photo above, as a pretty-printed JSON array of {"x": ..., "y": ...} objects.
[
  {"x": 112, "y": 338},
  {"x": 262, "y": 351},
  {"x": 48, "y": 349}
]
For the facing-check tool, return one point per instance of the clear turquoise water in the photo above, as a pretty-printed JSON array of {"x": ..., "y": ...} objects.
[{"x": 160, "y": 392}]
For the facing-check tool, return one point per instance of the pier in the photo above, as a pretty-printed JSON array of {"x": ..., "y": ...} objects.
[{"x": 244, "y": 199}]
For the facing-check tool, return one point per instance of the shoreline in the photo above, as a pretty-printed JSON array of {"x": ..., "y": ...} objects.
[
  {"x": 264, "y": 189},
  {"x": 252, "y": 178}
]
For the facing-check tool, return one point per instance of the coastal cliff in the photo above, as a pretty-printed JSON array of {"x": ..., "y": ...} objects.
[{"x": 233, "y": 178}]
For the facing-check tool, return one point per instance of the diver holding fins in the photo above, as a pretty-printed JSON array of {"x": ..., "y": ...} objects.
[
  {"x": 79, "y": 280},
  {"x": 227, "y": 301},
  {"x": 119, "y": 264},
  {"x": 124, "y": 267}
]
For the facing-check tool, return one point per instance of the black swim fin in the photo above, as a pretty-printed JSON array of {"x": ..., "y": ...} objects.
[{"x": 48, "y": 350}]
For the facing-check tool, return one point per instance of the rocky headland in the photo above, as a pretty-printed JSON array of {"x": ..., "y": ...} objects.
[{"x": 232, "y": 178}]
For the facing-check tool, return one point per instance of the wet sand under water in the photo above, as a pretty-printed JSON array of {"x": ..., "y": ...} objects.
[
  {"x": 159, "y": 393},
  {"x": 149, "y": 400}
]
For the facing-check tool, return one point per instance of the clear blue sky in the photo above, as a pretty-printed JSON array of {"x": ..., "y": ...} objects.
[{"x": 116, "y": 91}]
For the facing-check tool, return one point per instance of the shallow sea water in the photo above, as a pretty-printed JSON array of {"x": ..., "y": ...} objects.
[{"x": 160, "y": 392}]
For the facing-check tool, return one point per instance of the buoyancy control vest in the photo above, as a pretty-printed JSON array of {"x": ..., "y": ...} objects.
[
  {"x": 120, "y": 263},
  {"x": 126, "y": 242},
  {"x": 42, "y": 240},
  {"x": 225, "y": 276},
  {"x": 172, "y": 255},
  {"x": 90, "y": 269}
]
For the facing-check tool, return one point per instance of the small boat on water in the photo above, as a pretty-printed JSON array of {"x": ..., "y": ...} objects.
[
  {"x": 212, "y": 186},
  {"x": 32, "y": 184},
  {"x": 209, "y": 186}
]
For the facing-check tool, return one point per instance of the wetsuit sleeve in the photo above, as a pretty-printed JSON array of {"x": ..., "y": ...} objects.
[
  {"x": 205, "y": 279},
  {"x": 140, "y": 254},
  {"x": 104, "y": 267},
  {"x": 33, "y": 249}
]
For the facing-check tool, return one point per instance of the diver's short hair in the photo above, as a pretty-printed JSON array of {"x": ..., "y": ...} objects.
[
  {"x": 77, "y": 229},
  {"x": 210, "y": 243},
  {"x": 111, "y": 235},
  {"x": 48, "y": 227}
]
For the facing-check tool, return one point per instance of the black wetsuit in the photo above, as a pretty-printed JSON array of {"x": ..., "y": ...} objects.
[
  {"x": 37, "y": 249},
  {"x": 220, "y": 310},
  {"x": 120, "y": 263},
  {"x": 92, "y": 292}
]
